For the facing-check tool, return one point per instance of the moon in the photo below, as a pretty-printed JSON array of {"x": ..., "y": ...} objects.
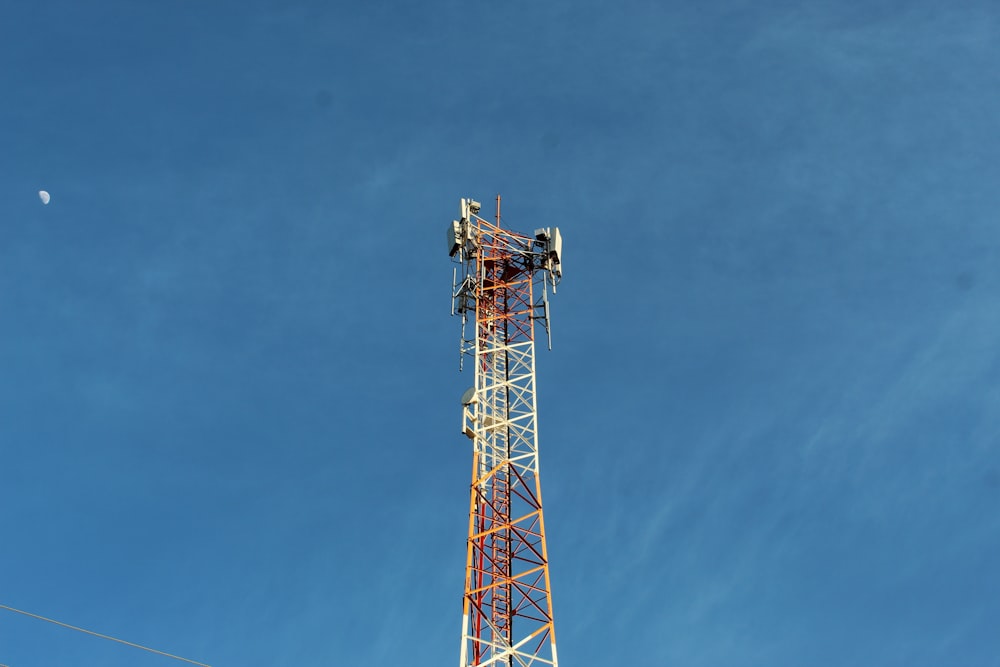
[{"x": 44, "y": 196}]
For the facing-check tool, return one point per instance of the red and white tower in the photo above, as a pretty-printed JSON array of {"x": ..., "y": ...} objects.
[{"x": 502, "y": 284}]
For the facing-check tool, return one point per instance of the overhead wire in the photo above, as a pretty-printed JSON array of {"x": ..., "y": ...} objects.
[{"x": 102, "y": 636}]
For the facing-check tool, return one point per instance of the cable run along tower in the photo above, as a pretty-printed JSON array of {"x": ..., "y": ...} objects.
[{"x": 501, "y": 287}]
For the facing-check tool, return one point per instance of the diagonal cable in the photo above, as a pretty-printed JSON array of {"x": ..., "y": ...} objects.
[{"x": 98, "y": 634}]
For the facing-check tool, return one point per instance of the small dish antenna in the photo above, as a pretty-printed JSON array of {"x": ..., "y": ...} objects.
[{"x": 469, "y": 397}]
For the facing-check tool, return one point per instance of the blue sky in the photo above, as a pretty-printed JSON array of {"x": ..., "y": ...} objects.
[{"x": 228, "y": 378}]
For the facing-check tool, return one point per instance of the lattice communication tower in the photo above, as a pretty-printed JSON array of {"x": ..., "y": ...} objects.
[{"x": 502, "y": 285}]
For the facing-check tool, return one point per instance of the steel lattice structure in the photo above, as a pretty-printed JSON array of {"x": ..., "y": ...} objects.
[{"x": 503, "y": 287}]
